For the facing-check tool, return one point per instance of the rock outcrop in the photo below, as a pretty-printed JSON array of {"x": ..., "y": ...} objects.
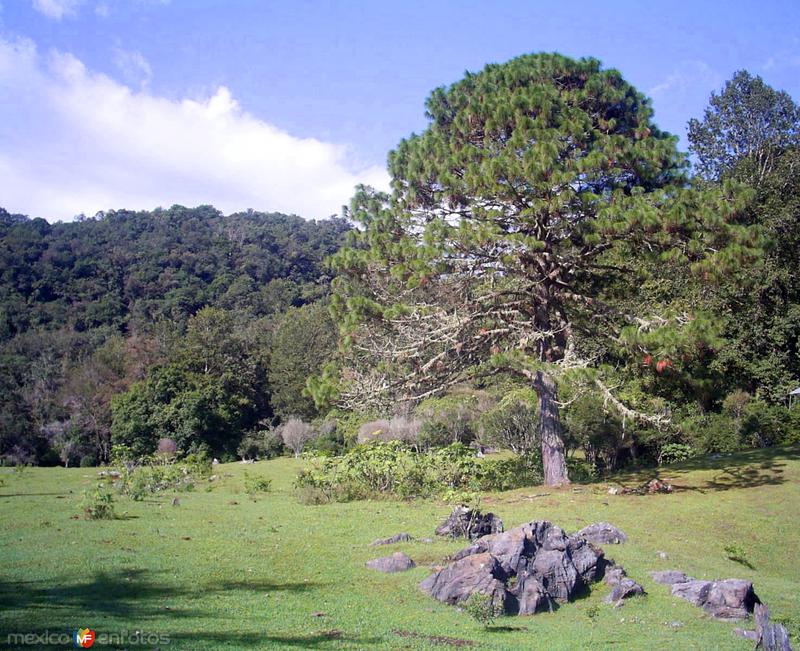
[
  {"x": 397, "y": 562},
  {"x": 528, "y": 569},
  {"x": 464, "y": 522},
  {"x": 603, "y": 533},
  {"x": 727, "y": 599}
]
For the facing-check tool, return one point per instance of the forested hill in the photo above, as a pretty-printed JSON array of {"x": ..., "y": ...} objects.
[
  {"x": 132, "y": 268},
  {"x": 181, "y": 301}
]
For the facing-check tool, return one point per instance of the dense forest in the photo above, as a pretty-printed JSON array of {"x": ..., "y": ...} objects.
[
  {"x": 547, "y": 255},
  {"x": 179, "y": 305}
]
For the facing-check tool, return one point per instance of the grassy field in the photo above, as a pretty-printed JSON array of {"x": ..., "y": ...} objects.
[{"x": 222, "y": 571}]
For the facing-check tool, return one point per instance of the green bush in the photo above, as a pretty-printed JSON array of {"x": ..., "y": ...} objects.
[
  {"x": 151, "y": 475},
  {"x": 482, "y": 608},
  {"x": 674, "y": 452},
  {"x": 392, "y": 468},
  {"x": 255, "y": 485},
  {"x": 262, "y": 443},
  {"x": 514, "y": 472},
  {"x": 98, "y": 503}
]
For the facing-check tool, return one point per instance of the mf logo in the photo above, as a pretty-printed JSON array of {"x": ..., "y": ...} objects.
[{"x": 84, "y": 638}]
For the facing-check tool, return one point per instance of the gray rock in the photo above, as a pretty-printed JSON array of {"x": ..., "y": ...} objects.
[
  {"x": 669, "y": 577},
  {"x": 614, "y": 574},
  {"x": 731, "y": 599},
  {"x": 624, "y": 589},
  {"x": 536, "y": 565},
  {"x": 455, "y": 583},
  {"x": 464, "y": 522},
  {"x": 694, "y": 591},
  {"x": 400, "y": 537},
  {"x": 603, "y": 533},
  {"x": 397, "y": 562},
  {"x": 727, "y": 599}
]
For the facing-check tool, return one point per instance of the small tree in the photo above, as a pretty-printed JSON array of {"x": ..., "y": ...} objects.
[{"x": 295, "y": 434}]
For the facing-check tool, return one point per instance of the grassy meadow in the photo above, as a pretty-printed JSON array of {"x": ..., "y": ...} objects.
[{"x": 222, "y": 570}]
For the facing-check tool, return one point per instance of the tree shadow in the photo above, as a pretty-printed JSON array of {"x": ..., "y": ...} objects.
[
  {"x": 133, "y": 595},
  {"x": 327, "y": 639},
  {"x": 749, "y": 469}
]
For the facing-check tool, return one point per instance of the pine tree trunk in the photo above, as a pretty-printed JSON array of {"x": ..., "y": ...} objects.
[{"x": 555, "y": 467}]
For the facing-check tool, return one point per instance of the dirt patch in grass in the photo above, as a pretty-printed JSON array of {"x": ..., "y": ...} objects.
[{"x": 435, "y": 639}]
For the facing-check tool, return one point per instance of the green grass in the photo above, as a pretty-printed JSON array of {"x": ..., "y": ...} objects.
[{"x": 222, "y": 571}]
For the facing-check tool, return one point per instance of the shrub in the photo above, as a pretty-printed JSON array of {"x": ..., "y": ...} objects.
[
  {"x": 255, "y": 485},
  {"x": 296, "y": 434},
  {"x": 393, "y": 468},
  {"x": 330, "y": 440},
  {"x": 514, "y": 472},
  {"x": 150, "y": 475},
  {"x": 98, "y": 504},
  {"x": 264, "y": 443},
  {"x": 166, "y": 447},
  {"x": 674, "y": 452},
  {"x": 449, "y": 419},
  {"x": 482, "y": 608},
  {"x": 88, "y": 461},
  {"x": 513, "y": 424},
  {"x": 374, "y": 430}
]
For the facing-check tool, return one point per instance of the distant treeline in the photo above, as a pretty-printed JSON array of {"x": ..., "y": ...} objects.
[{"x": 90, "y": 308}]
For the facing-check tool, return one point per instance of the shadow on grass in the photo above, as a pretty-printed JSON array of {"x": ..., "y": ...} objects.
[
  {"x": 132, "y": 595},
  {"x": 749, "y": 469},
  {"x": 330, "y": 639}
]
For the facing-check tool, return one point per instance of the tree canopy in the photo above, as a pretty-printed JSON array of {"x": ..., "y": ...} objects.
[{"x": 748, "y": 121}]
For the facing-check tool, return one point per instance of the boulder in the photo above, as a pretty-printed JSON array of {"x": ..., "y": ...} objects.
[
  {"x": 528, "y": 569},
  {"x": 397, "y": 562},
  {"x": 669, "y": 577},
  {"x": 391, "y": 540},
  {"x": 464, "y": 522},
  {"x": 767, "y": 636},
  {"x": 622, "y": 586},
  {"x": 731, "y": 599},
  {"x": 603, "y": 533},
  {"x": 727, "y": 599},
  {"x": 694, "y": 591},
  {"x": 455, "y": 583}
]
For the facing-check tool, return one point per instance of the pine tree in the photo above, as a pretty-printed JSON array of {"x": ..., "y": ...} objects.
[{"x": 505, "y": 239}]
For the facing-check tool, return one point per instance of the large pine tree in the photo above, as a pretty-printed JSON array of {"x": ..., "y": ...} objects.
[{"x": 511, "y": 219}]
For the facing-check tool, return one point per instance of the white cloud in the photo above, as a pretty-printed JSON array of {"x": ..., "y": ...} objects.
[
  {"x": 57, "y": 9},
  {"x": 689, "y": 75},
  {"x": 134, "y": 67},
  {"x": 74, "y": 141}
]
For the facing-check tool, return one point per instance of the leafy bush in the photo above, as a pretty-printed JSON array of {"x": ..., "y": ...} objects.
[
  {"x": 331, "y": 439},
  {"x": 514, "y": 472},
  {"x": 393, "y": 468},
  {"x": 513, "y": 424},
  {"x": 482, "y": 608},
  {"x": 580, "y": 471},
  {"x": 151, "y": 475},
  {"x": 262, "y": 443},
  {"x": 449, "y": 419},
  {"x": 98, "y": 503},
  {"x": 255, "y": 485},
  {"x": 674, "y": 452}
]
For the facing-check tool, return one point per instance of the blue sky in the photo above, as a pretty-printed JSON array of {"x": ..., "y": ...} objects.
[{"x": 287, "y": 105}]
